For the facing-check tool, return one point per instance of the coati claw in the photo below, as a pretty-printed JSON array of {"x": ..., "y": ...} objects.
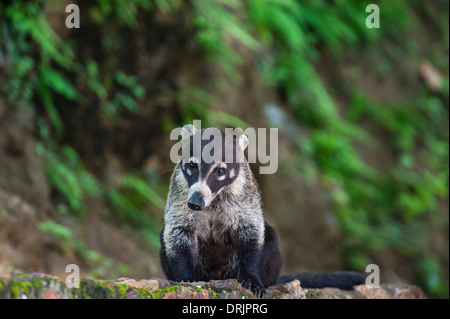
[{"x": 257, "y": 290}]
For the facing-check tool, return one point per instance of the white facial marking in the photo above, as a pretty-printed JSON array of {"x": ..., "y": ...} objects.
[
  {"x": 201, "y": 187},
  {"x": 220, "y": 189},
  {"x": 187, "y": 131},
  {"x": 243, "y": 142},
  {"x": 194, "y": 160},
  {"x": 221, "y": 165},
  {"x": 186, "y": 165},
  {"x": 232, "y": 173}
]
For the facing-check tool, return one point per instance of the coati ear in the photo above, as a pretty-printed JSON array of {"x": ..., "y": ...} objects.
[
  {"x": 187, "y": 131},
  {"x": 243, "y": 142}
]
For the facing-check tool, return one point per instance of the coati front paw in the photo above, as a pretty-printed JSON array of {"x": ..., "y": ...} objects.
[{"x": 254, "y": 285}]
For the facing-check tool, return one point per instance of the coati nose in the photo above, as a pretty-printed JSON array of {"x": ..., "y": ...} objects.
[{"x": 196, "y": 201}]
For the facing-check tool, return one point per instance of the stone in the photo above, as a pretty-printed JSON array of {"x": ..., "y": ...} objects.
[
  {"x": 390, "y": 291},
  {"x": 332, "y": 293},
  {"x": 51, "y": 294},
  {"x": 43, "y": 286},
  {"x": 290, "y": 290}
]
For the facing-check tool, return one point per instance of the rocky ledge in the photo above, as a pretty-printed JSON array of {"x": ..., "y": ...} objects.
[{"x": 42, "y": 286}]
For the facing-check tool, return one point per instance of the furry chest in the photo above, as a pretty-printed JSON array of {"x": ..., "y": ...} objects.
[
  {"x": 217, "y": 254},
  {"x": 217, "y": 261}
]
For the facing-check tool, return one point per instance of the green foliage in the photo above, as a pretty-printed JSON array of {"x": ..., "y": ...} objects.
[
  {"x": 57, "y": 230},
  {"x": 24, "y": 23},
  {"x": 130, "y": 200},
  {"x": 198, "y": 104},
  {"x": 125, "y": 10},
  {"x": 374, "y": 210},
  {"x": 123, "y": 99},
  {"x": 432, "y": 276},
  {"x": 40, "y": 68},
  {"x": 142, "y": 189},
  {"x": 100, "y": 264},
  {"x": 216, "y": 22},
  {"x": 67, "y": 175}
]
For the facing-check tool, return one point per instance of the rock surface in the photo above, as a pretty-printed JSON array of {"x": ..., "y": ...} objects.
[{"x": 42, "y": 286}]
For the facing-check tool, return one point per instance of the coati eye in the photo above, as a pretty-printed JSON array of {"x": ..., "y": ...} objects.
[
  {"x": 221, "y": 171},
  {"x": 192, "y": 165}
]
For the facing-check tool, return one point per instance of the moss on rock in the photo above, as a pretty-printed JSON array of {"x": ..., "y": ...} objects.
[{"x": 40, "y": 286}]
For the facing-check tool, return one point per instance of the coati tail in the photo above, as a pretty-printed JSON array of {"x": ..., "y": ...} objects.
[{"x": 344, "y": 280}]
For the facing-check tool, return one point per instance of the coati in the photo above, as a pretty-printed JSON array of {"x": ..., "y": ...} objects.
[{"x": 214, "y": 226}]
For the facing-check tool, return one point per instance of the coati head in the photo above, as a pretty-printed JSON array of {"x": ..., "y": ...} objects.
[{"x": 210, "y": 163}]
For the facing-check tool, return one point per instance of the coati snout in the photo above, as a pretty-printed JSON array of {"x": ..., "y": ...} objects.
[{"x": 196, "y": 201}]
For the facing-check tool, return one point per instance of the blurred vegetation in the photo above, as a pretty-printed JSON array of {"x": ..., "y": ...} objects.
[{"x": 374, "y": 209}]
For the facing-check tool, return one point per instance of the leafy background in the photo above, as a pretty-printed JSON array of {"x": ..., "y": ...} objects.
[{"x": 85, "y": 117}]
